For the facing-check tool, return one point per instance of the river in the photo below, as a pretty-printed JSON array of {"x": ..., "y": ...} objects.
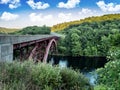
[{"x": 86, "y": 65}]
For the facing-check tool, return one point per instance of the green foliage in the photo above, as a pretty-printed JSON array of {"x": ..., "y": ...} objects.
[
  {"x": 114, "y": 53},
  {"x": 73, "y": 81},
  {"x": 72, "y": 44},
  {"x": 91, "y": 38},
  {"x": 115, "y": 39},
  {"x": 101, "y": 87},
  {"x": 30, "y": 30},
  {"x": 40, "y": 76},
  {"x": 46, "y": 75},
  {"x": 33, "y": 30},
  {"x": 61, "y": 47},
  {"x": 110, "y": 74}
]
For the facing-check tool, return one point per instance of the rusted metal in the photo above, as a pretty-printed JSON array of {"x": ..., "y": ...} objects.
[{"x": 36, "y": 50}]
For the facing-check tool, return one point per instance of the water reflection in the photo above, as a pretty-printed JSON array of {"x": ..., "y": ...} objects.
[
  {"x": 63, "y": 63},
  {"x": 87, "y": 65},
  {"x": 91, "y": 75},
  {"x": 51, "y": 61}
]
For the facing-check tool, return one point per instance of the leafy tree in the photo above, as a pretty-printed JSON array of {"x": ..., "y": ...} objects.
[
  {"x": 90, "y": 51},
  {"x": 61, "y": 46},
  {"x": 72, "y": 43},
  {"x": 75, "y": 45},
  {"x": 115, "y": 39}
]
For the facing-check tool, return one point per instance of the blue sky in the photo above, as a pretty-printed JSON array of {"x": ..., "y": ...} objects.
[{"x": 22, "y": 13}]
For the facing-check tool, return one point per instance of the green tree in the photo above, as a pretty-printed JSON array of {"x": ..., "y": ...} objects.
[
  {"x": 76, "y": 49},
  {"x": 61, "y": 46},
  {"x": 72, "y": 43},
  {"x": 90, "y": 51}
]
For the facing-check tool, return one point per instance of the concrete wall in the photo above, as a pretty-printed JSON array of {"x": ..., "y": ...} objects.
[{"x": 6, "y": 52}]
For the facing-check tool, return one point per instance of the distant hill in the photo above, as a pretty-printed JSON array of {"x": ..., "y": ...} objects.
[
  {"x": 30, "y": 30},
  {"x": 8, "y": 30},
  {"x": 33, "y": 30},
  {"x": 64, "y": 25}
]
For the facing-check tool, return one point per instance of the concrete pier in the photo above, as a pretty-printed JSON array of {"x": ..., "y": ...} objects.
[{"x": 6, "y": 52}]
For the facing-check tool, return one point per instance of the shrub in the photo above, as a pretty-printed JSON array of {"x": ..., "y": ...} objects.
[
  {"x": 14, "y": 72},
  {"x": 73, "y": 80},
  {"x": 101, "y": 87},
  {"x": 40, "y": 76},
  {"x": 110, "y": 75},
  {"x": 46, "y": 75},
  {"x": 114, "y": 53}
]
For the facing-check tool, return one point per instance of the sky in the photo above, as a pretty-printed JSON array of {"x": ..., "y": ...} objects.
[{"x": 22, "y": 13}]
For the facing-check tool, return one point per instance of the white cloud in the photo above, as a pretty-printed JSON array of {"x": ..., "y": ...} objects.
[
  {"x": 69, "y": 4},
  {"x": 8, "y": 16},
  {"x": 12, "y": 3},
  {"x": 37, "y": 5},
  {"x": 39, "y": 17},
  {"x": 64, "y": 16},
  {"x": 110, "y": 7},
  {"x": 4, "y": 1},
  {"x": 86, "y": 11}
]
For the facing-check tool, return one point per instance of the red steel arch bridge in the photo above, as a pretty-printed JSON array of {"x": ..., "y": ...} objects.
[{"x": 27, "y": 47}]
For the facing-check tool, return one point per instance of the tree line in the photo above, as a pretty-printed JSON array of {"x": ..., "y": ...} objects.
[{"x": 33, "y": 30}]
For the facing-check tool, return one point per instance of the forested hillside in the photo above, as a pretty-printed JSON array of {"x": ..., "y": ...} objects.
[
  {"x": 7, "y": 30},
  {"x": 91, "y": 38},
  {"x": 64, "y": 25},
  {"x": 33, "y": 30}
]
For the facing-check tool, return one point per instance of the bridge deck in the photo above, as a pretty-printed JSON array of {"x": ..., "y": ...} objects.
[{"x": 14, "y": 39}]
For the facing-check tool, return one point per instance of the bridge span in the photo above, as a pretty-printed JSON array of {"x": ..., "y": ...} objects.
[{"x": 24, "y": 47}]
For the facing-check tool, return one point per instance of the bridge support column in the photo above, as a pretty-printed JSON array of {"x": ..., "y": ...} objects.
[
  {"x": 6, "y": 52},
  {"x": 33, "y": 52}
]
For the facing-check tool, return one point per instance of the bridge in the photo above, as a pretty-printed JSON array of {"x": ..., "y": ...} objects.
[{"x": 24, "y": 47}]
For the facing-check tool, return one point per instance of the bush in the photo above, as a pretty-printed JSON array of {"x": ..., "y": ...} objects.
[
  {"x": 40, "y": 76},
  {"x": 73, "y": 80},
  {"x": 101, "y": 87},
  {"x": 110, "y": 75},
  {"x": 114, "y": 53},
  {"x": 45, "y": 75}
]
